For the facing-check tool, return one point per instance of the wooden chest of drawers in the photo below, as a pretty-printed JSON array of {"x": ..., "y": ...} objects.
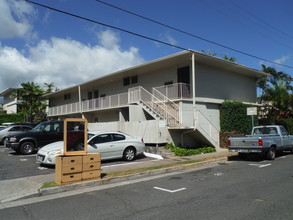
[{"x": 72, "y": 169}]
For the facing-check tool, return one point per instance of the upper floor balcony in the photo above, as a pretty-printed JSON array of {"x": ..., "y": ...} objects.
[{"x": 175, "y": 92}]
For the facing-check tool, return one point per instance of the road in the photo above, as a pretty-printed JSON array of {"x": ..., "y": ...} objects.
[
  {"x": 248, "y": 189},
  {"x": 13, "y": 165}
]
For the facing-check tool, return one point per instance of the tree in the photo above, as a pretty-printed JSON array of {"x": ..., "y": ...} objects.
[
  {"x": 231, "y": 59},
  {"x": 276, "y": 94},
  {"x": 225, "y": 56},
  {"x": 31, "y": 102},
  {"x": 50, "y": 87},
  {"x": 208, "y": 52}
]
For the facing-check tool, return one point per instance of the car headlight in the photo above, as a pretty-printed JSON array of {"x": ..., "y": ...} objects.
[
  {"x": 13, "y": 139},
  {"x": 55, "y": 152}
]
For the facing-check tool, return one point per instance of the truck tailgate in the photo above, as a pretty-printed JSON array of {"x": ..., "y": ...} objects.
[{"x": 245, "y": 145}]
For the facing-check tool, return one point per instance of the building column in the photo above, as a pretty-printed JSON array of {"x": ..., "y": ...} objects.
[{"x": 193, "y": 88}]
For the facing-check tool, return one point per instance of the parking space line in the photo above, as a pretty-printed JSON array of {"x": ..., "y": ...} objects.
[
  {"x": 31, "y": 155},
  {"x": 265, "y": 165},
  {"x": 260, "y": 165},
  {"x": 168, "y": 190}
]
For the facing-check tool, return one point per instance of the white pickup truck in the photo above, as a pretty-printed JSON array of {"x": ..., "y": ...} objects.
[{"x": 266, "y": 140}]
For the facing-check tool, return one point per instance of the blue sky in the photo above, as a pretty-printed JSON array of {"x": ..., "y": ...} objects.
[{"x": 44, "y": 46}]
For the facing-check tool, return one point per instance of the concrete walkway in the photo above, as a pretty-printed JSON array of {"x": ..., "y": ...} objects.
[{"x": 11, "y": 190}]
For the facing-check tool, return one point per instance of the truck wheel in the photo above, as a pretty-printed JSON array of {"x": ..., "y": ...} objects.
[
  {"x": 271, "y": 154},
  {"x": 27, "y": 148}
]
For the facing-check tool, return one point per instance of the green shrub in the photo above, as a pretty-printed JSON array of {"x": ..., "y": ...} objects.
[
  {"x": 180, "y": 151},
  {"x": 287, "y": 123},
  {"x": 6, "y": 118},
  {"x": 234, "y": 118}
]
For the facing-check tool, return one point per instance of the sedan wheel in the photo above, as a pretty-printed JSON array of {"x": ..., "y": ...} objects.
[
  {"x": 27, "y": 148},
  {"x": 129, "y": 154}
]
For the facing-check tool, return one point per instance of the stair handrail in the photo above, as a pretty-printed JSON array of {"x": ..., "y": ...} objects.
[
  {"x": 167, "y": 100},
  {"x": 154, "y": 100}
]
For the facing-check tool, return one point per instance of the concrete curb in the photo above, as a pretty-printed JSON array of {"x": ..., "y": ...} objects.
[
  {"x": 116, "y": 179},
  {"x": 65, "y": 188}
]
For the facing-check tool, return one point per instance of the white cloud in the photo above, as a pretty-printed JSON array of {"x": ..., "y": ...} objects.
[
  {"x": 64, "y": 61},
  {"x": 166, "y": 37},
  {"x": 171, "y": 40},
  {"x": 14, "y": 19},
  {"x": 282, "y": 59}
]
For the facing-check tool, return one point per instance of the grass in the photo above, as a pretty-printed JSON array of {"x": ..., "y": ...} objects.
[{"x": 49, "y": 184}]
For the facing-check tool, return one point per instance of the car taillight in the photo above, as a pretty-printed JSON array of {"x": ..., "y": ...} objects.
[
  {"x": 260, "y": 142},
  {"x": 142, "y": 140},
  {"x": 229, "y": 143}
]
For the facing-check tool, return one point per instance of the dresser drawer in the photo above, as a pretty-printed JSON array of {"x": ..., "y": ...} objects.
[
  {"x": 94, "y": 174},
  {"x": 71, "y": 177},
  {"x": 91, "y": 166},
  {"x": 72, "y": 160},
  {"x": 71, "y": 169},
  {"x": 91, "y": 158}
]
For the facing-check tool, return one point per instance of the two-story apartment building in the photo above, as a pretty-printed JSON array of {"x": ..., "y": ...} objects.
[
  {"x": 9, "y": 101},
  {"x": 171, "y": 99}
]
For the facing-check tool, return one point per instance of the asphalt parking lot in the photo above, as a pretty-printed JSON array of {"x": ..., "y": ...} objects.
[{"x": 13, "y": 165}]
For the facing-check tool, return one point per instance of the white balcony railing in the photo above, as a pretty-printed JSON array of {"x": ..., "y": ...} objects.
[
  {"x": 175, "y": 91},
  {"x": 107, "y": 102}
]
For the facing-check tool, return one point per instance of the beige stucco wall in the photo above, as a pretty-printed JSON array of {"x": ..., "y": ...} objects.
[
  {"x": 148, "y": 130},
  {"x": 226, "y": 85}
]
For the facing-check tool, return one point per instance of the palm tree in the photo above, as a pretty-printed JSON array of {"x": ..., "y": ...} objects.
[
  {"x": 30, "y": 99},
  {"x": 276, "y": 93},
  {"x": 231, "y": 59}
]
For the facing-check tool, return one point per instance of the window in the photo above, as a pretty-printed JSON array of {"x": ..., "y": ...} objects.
[
  {"x": 16, "y": 128},
  {"x": 130, "y": 80},
  {"x": 134, "y": 79},
  {"x": 67, "y": 96},
  {"x": 96, "y": 94},
  {"x": 126, "y": 81},
  {"x": 118, "y": 137},
  {"x": 103, "y": 138},
  {"x": 283, "y": 131},
  {"x": 168, "y": 83},
  {"x": 47, "y": 128},
  {"x": 56, "y": 127},
  {"x": 25, "y": 128},
  {"x": 89, "y": 95}
]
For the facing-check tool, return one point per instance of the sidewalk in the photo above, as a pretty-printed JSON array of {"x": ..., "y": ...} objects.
[{"x": 11, "y": 190}]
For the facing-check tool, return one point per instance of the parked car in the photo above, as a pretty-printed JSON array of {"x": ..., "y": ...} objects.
[
  {"x": 265, "y": 140},
  {"x": 12, "y": 130},
  {"x": 2, "y": 127},
  {"x": 41, "y": 135},
  {"x": 111, "y": 145}
]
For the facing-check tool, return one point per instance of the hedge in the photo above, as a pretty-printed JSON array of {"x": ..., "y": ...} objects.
[
  {"x": 287, "y": 123},
  {"x": 7, "y": 118},
  {"x": 234, "y": 118},
  {"x": 180, "y": 151}
]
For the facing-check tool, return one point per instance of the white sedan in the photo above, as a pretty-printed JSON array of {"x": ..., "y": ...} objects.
[{"x": 111, "y": 145}]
